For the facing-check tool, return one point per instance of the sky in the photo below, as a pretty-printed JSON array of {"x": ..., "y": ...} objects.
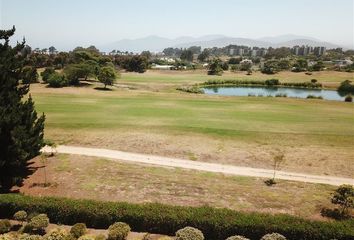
[{"x": 68, "y": 23}]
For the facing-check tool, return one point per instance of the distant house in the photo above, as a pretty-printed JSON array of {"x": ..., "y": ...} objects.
[
  {"x": 343, "y": 63},
  {"x": 167, "y": 59},
  {"x": 162, "y": 67},
  {"x": 246, "y": 61}
]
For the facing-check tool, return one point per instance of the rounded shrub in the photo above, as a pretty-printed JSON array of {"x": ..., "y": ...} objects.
[
  {"x": 189, "y": 233},
  {"x": 39, "y": 222},
  {"x": 48, "y": 71},
  {"x": 237, "y": 238},
  {"x": 57, "y": 234},
  {"x": 57, "y": 80},
  {"x": 100, "y": 237},
  {"x": 87, "y": 237},
  {"x": 348, "y": 98},
  {"x": 78, "y": 230},
  {"x": 273, "y": 236},
  {"x": 6, "y": 237},
  {"x": 30, "y": 237},
  {"x": 5, "y": 226},
  {"x": 118, "y": 231},
  {"x": 20, "y": 216}
]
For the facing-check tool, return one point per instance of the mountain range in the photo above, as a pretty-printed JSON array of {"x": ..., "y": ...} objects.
[{"x": 157, "y": 44}]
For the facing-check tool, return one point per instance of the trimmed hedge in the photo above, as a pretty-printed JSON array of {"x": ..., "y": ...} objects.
[{"x": 216, "y": 224}]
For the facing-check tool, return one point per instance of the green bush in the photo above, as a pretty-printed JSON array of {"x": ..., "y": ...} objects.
[
  {"x": 272, "y": 82},
  {"x": 284, "y": 95},
  {"x": 345, "y": 88},
  {"x": 273, "y": 236},
  {"x": 78, "y": 230},
  {"x": 57, "y": 80},
  {"x": 87, "y": 237},
  {"x": 314, "y": 97},
  {"x": 57, "y": 234},
  {"x": 39, "y": 222},
  {"x": 20, "y": 216},
  {"x": 237, "y": 238},
  {"x": 193, "y": 89},
  {"x": 7, "y": 237},
  {"x": 216, "y": 224},
  {"x": 5, "y": 226},
  {"x": 118, "y": 231},
  {"x": 29, "y": 75},
  {"x": 30, "y": 237},
  {"x": 100, "y": 237},
  {"x": 48, "y": 71},
  {"x": 189, "y": 233},
  {"x": 348, "y": 98}
]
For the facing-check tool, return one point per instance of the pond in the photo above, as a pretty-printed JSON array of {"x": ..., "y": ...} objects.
[{"x": 273, "y": 91}]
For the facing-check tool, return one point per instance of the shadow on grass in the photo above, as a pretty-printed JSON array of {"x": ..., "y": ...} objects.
[
  {"x": 103, "y": 89},
  {"x": 334, "y": 214},
  {"x": 12, "y": 182}
]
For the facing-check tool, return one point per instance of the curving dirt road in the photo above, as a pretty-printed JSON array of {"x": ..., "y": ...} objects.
[{"x": 195, "y": 165}]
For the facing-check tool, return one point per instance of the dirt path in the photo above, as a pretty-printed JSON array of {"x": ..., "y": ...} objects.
[{"x": 195, "y": 165}]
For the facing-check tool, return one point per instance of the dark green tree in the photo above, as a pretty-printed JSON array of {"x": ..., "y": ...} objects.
[
  {"x": 29, "y": 75},
  {"x": 107, "y": 76},
  {"x": 318, "y": 66},
  {"x": 21, "y": 131},
  {"x": 215, "y": 67},
  {"x": 146, "y": 54},
  {"x": 52, "y": 50},
  {"x": 187, "y": 55},
  {"x": 136, "y": 64},
  {"x": 46, "y": 73},
  {"x": 203, "y": 56},
  {"x": 271, "y": 67},
  {"x": 81, "y": 71},
  {"x": 235, "y": 60}
]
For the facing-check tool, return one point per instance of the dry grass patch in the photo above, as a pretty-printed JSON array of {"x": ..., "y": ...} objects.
[{"x": 101, "y": 179}]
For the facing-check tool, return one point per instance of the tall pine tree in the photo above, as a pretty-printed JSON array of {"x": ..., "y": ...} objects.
[{"x": 21, "y": 131}]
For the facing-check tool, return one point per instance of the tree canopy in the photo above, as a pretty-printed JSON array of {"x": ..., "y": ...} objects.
[
  {"x": 21, "y": 131},
  {"x": 107, "y": 76}
]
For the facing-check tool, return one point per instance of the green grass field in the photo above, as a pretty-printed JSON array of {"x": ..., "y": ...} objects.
[{"x": 315, "y": 135}]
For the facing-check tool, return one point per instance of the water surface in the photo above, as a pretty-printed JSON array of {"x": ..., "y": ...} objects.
[{"x": 273, "y": 91}]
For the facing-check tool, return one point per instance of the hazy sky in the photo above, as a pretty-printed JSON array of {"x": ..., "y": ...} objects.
[{"x": 66, "y": 23}]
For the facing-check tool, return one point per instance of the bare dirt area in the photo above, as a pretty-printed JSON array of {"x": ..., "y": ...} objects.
[{"x": 95, "y": 178}]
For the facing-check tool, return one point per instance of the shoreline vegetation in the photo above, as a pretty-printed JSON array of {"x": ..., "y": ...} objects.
[
  {"x": 196, "y": 88},
  {"x": 346, "y": 89}
]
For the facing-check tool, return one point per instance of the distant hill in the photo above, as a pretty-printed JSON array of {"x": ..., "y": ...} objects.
[
  {"x": 156, "y": 43},
  {"x": 153, "y": 43},
  {"x": 285, "y": 38},
  {"x": 309, "y": 42},
  {"x": 222, "y": 42}
]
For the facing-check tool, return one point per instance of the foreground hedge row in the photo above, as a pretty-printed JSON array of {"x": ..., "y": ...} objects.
[{"x": 157, "y": 218}]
